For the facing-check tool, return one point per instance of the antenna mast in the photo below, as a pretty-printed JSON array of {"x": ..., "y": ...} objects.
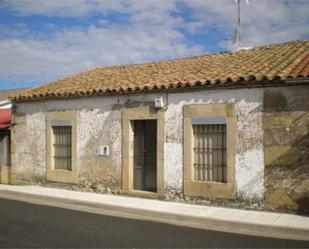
[
  {"x": 237, "y": 30},
  {"x": 236, "y": 39}
]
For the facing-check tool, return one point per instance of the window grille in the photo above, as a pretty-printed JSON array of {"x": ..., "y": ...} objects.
[
  {"x": 210, "y": 152},
  {"x": 62, "y": 147}
]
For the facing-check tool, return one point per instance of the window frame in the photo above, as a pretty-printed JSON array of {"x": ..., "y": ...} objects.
[
  {"x": 69, "y": 118},
  {"x": 209, "y": 188}
]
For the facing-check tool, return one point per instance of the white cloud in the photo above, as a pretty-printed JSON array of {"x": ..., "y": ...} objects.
[
  {"x": 74, "y": 50},
  {"x": 153, "y": 30},
  {"x": 65, "y": 8},
  {"x": 150, "y": 34},
  {"x": 144, "y": 9},
  {"x": 263, "y": 22}
]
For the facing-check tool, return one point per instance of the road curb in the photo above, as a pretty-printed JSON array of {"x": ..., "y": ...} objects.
[{"x": 194, "y": 221}]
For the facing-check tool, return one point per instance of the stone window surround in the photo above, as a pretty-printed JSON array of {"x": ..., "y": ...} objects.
[
  {"x": 61, "y": 175},
  {"x": 204, "y": 188},
  {"x": 141, "y": 113}
]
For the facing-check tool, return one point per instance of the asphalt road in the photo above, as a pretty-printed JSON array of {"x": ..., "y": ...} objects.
[{"x": 24, "y": 225}]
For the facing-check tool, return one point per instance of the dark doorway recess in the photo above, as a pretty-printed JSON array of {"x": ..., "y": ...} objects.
[
  {"x": 5, "y": 148},
  {"x": 145, "y": 155}
]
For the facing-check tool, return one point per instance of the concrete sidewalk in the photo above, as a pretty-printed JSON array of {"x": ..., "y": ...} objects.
[{"x": 267, "y": 224}]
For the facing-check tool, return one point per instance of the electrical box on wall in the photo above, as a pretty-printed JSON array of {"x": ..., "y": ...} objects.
[
  {"x": 159, "y": 102},
  {"x": 103, "y": 150}
]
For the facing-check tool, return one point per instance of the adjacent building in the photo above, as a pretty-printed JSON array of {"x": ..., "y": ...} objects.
[
  {"x": 5, "y": 125},
  {"x": 228, "y": 128}
]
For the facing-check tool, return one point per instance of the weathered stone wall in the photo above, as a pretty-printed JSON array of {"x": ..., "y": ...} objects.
[
  {"x": 99, "y": 123},
  {"x": 286, "y": 143}
]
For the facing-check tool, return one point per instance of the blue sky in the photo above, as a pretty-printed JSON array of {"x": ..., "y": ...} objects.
[{"x": 42, "y": 40}]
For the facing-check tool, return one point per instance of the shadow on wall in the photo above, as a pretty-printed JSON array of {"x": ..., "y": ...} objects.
[
  {"x": 287, "y": 178},
  {"x": 286, "y": 142}
]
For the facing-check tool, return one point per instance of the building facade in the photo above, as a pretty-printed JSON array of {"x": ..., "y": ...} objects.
[{"x": 236, "y": 145}]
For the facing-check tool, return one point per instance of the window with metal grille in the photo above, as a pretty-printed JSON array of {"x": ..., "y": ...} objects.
[
  {"x": 62, "y": 147},
  {"x": 210, "y": 152}
]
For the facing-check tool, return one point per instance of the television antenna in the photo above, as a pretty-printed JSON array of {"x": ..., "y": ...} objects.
[{"x": 236, "y": 40}]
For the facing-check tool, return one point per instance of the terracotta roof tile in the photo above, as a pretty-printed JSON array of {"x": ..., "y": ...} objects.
[{"x": 267, "y": 63}]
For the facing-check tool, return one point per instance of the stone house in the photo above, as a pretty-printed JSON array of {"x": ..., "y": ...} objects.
[{"x": 226, "y": 129}]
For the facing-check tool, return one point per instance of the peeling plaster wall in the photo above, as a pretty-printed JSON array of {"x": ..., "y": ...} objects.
[
  {"x": 99, "y": 123},
  {"x": 30, "y": 150},
  {"x": 173, "y": 173},
  {"x": 249, "y": 133}
]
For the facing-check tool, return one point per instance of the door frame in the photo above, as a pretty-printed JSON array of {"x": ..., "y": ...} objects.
[{"x": 128, "y": 116}]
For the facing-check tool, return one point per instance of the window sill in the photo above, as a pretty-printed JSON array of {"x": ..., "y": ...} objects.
[
  {"x": 209, "y": 182},
  {"x": 210, "y": 189},
  {"x": 61, "y": 170},
  {"x": 63, "y": 176}
]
